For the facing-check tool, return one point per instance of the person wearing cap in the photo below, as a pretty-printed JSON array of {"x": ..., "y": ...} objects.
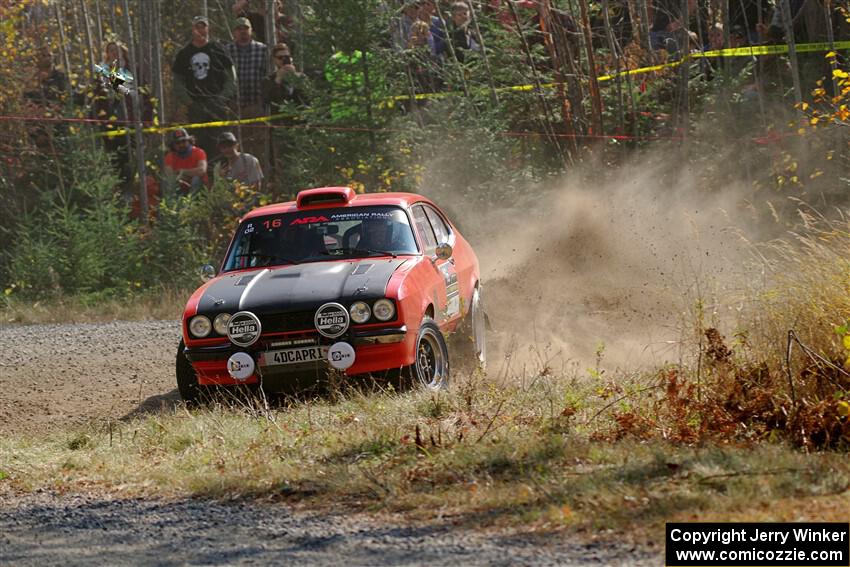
[
  {"x": 204, "y": 82},
  {"x": 186, "y": 162},
  {"x": 252, "y": 60},
  {"x": 235, "y": 165},
  {"x": 255, "y": 11}
]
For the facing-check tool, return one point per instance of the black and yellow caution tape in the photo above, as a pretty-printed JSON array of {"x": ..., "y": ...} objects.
[
  {"x": 194, "y": 126},
  {"x": 750, "y": 51}
]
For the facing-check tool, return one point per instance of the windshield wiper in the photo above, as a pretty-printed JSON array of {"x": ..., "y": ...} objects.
[
  {"x": 269, "y": 258},
  {"x": 359, "y": 252}
]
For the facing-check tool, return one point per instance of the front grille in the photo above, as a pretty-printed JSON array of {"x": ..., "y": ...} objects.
[{"x": 282, "y": 322}]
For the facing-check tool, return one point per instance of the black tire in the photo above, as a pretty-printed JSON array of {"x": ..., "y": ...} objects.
[
  {"x": 469, "y": 341},
  {"x": 187, "y": 380},
  {"x": 430, "y": 368}
]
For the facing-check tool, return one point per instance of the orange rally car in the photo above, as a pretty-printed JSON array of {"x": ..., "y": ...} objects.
[{"x": 335, "y": 281}]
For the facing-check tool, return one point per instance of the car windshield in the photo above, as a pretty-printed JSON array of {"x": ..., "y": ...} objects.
[{"x": 313, "y": 236}]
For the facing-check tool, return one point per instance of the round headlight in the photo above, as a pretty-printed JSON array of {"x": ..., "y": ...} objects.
[
  {"x": 220, "y": 323},
  {"x": 384, "y": 309},
  {"x": 360, "y": 312},
  {"x": 200, "y": 326}
]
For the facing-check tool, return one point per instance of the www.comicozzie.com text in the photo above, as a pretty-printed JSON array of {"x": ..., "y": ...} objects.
[{"x": 743, "y": 534}]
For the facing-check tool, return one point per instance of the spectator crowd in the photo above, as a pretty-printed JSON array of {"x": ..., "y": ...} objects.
[{"x": 250, "y": 76}]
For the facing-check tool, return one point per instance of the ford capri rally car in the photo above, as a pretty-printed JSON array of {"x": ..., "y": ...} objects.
[{"x": 360, "y": 284}]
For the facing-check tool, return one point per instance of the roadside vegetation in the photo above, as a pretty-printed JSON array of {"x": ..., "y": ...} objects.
[
  {"x": 738, "y": 429},
  {"x": 726, "y": 434},
  {"x": 552, "y": 454},
  {"x": 751, "y": 422}
]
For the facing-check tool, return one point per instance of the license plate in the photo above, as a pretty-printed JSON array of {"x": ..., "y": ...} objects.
[{"x": 297, "y": 355}]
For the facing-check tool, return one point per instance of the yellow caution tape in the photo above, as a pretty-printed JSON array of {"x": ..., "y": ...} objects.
[
  {"x": 193, "y": 126},
  {"x": 772, "y": 49},
  {"x": 731, "y": 52},
  {"x": 630, "y": 72},
  {"x": 750, "y": 51}
]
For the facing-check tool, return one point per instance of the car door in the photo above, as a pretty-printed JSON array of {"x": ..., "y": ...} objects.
[
  {"x": 448, "y": 268},
  {"x": 445, "y": 275}
]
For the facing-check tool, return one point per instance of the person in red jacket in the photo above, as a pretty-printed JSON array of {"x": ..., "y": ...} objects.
[{"x": 186, "y": 162}]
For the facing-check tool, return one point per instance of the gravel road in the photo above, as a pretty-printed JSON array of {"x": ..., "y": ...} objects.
[
  {"x": 45, "y": 529},
  {"x": 56, "y": 376}
]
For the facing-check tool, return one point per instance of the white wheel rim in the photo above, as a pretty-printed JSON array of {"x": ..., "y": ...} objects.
[{"x": 431, "y": 362}]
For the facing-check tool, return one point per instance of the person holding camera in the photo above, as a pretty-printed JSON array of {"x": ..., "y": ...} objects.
[
  {"x": 284, "y": 87},
  {"x": 285, "y": 84}
]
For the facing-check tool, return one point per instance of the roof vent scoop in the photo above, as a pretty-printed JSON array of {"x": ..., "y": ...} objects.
[{"x": 324, "y": 196}]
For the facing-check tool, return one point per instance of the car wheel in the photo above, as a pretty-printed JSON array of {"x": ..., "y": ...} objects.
[
  {"x": 470, "y": 341},
  {"x": 430, "y": 368},
  {"x": 187, "y": 380}
]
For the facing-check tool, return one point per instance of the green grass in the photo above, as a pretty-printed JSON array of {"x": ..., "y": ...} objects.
[
  {"x": 479, "y": 454},
  {"x": 719, "y": 437},
  {"x": 94, "y": 308}
]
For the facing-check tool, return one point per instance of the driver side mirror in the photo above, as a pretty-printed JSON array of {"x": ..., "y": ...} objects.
[
  {"x": 444, "y": 251},
  {"x": 207, "y": 272}
]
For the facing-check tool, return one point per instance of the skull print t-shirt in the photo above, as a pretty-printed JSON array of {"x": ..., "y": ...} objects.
[{"x": 204, "y": 69}]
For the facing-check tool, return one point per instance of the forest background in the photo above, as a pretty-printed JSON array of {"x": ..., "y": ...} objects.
[{"x": 507, "y": 123}]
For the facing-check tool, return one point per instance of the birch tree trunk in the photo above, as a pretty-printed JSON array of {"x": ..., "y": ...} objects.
[
  {"x": 137, "y": 119},
  {"x": 156, "y": 72},
  {"x": 494, "y": 95},
  {"x": 785, "y": 7},
  {"x": 595, "y": 97},
  {"x": 615, "y": 53},
  {"x": 684, "y": 74},
  {"x": 547, "y": 113},
  {"x": 63, "y": 43},
  {"x": 89, "y": 41},
  {"x": 547, "y": 25},
  {"x": 99, "y": 22}
]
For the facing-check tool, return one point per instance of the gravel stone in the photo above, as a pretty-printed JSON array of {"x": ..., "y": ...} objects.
[
  {"x": 48, "y": 528},
  {"x": 53, "y": 377}
]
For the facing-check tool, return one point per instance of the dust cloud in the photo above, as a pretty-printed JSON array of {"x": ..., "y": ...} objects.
[{"x": 608, "y": 263}]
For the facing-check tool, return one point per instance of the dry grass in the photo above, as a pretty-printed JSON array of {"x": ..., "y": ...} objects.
[
  {"x": 800, "y": 283},
  {"x": 719, "y": 436},
  {"x": 152, "y": 305},
  {"x": 480, "y": 454}
]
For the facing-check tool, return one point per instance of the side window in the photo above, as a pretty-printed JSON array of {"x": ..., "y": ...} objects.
[
  {"x": 423, "y": 227},
  {"x": 440, "y": 229}
]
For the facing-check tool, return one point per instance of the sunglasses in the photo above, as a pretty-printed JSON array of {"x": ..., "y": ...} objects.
[{"x": 285, "y": 58}]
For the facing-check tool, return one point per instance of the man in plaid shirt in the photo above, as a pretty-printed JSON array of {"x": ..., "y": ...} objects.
[{"x": 252, "y": 61}]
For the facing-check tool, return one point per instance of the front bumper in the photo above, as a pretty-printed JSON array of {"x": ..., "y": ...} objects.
[{"x": 376, "y": 349}]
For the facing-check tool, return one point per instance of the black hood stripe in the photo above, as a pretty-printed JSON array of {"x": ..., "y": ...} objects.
[
  {"x": 246, "y": 291},
  {"x": 298, "y": 287}
]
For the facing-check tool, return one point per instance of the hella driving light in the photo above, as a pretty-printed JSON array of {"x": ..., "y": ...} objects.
[
  {"x": 360, "y": 312},
  {"x": 200, "y": 326},
  {"x": 384, "y": 309},
  {"x": 220, "y": 323}
]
